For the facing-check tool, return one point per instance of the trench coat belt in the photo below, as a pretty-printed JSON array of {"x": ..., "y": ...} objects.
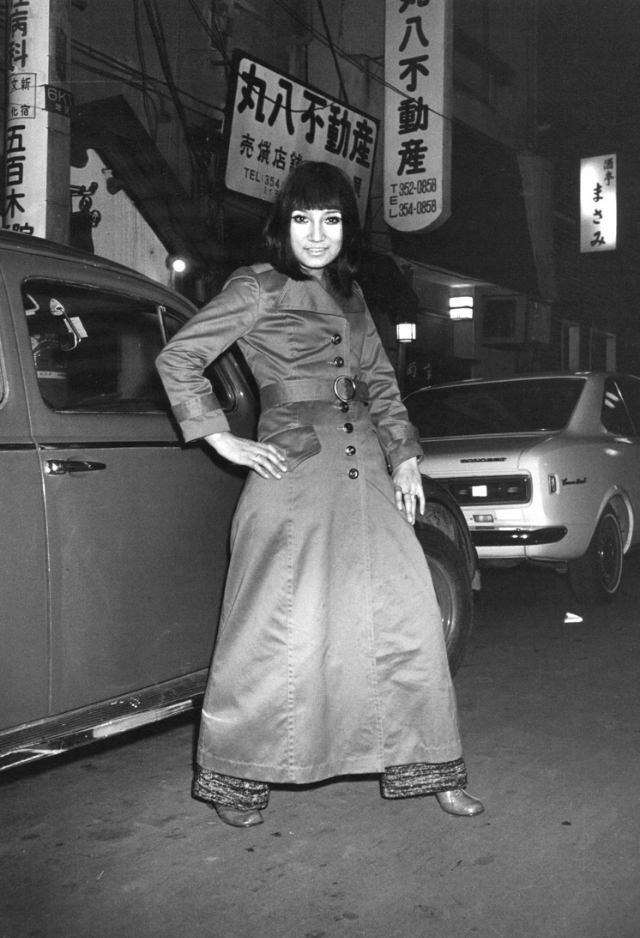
[{"x": 296, "y": 390}]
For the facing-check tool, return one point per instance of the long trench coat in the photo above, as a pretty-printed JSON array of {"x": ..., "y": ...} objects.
[{"x": 330, "y": 656}]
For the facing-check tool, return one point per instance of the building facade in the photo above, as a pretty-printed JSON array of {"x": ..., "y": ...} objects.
[{"x": 151, "y": 82}]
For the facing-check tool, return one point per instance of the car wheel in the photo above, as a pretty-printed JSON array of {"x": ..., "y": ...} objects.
[
  {"x": 452, "y": 587},
  {"x": 595, "y": 577}
]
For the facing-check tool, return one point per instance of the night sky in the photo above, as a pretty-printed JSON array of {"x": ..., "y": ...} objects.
[{"x": 589, "y": 67}]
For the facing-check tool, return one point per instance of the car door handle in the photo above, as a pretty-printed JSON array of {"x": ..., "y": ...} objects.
[{"x": 59, "y": 467}]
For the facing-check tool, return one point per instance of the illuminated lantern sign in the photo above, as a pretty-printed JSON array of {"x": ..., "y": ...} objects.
[
  {"x": 277, "y": 122},
  {"x": 598, "y": 204},
  {"x": 417, "y": 128}
]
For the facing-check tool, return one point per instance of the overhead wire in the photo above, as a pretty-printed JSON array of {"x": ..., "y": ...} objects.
[
  {"x": 123, "y": 69},
  {"x": 216, "y": 37},
  {"x": 150, "y": 110},
  {"x": 351, "y": 59},
  {"x": 157, "y": 31}
]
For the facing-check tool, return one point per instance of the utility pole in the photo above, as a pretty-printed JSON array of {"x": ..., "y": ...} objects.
[{"x": 37, "y": 136}]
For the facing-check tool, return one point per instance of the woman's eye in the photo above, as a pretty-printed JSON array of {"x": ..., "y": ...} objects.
[
  {"x": 333, "y": 220},
  {"x": 299, "y": 219}
]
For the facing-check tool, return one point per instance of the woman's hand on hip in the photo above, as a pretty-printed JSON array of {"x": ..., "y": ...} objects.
[
  {"x": 407, "y": 486},
  {"x": 265, "y": 459}
]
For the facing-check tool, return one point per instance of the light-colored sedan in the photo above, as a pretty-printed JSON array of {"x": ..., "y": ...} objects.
[{"x": 546, "y": 468}]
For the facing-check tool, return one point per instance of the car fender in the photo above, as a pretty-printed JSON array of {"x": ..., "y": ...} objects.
[
  {"x": 618, "y": 499},
  {"x": 443, "y": 512}
]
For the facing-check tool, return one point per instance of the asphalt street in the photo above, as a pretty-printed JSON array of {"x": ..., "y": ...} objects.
[{"x": 108, "y": 843}]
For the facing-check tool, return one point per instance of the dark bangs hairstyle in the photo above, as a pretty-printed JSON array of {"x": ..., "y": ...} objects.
[{"x": 314, "y": 185}]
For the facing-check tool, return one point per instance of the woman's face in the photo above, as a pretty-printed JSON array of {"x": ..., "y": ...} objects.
[{"x": 316, "y": 238}]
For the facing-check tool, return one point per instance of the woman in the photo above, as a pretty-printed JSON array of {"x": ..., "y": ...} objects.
[{"x": 330, "y": 657}]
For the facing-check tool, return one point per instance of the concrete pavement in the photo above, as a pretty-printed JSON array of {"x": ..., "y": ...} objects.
[{"x": 109, "y": 843}]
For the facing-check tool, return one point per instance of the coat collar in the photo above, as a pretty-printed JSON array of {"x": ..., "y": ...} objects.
[
  {"x": 313, "y": 296},
  {"x": 307, "y": 295}
]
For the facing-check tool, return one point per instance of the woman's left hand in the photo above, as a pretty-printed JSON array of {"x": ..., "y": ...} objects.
[{"x": 407, "y": 484}]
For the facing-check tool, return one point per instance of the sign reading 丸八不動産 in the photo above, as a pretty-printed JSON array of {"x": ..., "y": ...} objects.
[
  {"x": 276, "y": 122},
  {"x": 598, "y": 203},
  {"x": 417, "y": 126}
]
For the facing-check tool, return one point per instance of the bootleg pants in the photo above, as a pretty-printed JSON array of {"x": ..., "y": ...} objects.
[{"x": 398, "y": 781}]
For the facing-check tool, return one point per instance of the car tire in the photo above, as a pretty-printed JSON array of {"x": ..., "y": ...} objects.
[
  {"x": 595, "y": 577},
  {"x": 453, "y": 590}
]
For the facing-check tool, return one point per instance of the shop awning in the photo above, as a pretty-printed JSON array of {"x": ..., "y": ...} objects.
[{"x": 486, "y": 237}]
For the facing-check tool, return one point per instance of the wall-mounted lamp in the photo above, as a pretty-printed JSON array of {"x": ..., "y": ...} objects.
[
  {"x": 405, "y": 331},
  {"x": 460, "y": 307},
  {"x": 176, "y": 264}
]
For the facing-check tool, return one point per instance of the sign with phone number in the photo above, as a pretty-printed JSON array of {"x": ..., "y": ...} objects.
[
  {"x": 417, "y": 153},
  {"x": 407, "y": 200}
]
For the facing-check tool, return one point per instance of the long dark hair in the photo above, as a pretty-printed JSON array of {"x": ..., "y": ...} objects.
[{"x": 313, "y": 185}]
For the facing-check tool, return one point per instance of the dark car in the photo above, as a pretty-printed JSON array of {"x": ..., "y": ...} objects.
[{"x": 114, "y": 535}]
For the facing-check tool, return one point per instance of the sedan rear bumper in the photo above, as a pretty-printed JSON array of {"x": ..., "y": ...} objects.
[{"x": 510, "y": 537}]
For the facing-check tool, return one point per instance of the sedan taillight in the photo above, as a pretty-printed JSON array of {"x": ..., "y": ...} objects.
[{"x": 478, "y": 490}]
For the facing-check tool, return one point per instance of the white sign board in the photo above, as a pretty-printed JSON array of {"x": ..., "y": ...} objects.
[
  {"x": 276, "y": 122},
  {"x": 417, "y": 125},
  {"x": 25, "y": 196},
  {"x": 598, "y": 203}
]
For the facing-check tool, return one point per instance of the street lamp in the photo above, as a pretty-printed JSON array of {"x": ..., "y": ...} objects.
[
  {"x": 405, "y": 333},
  {"x": 177, "y": 266}
]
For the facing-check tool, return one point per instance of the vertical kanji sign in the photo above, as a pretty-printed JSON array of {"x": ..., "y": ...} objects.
[
  {"x": 25, "y": 184},
  {"x": 598, "y": 204},
  {"x": 276, "y": 122},
  {"x": 36, "y": 183},
  {"x": 417, "y": 125}
]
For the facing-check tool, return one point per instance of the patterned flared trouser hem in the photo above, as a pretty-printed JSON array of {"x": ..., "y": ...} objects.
[
  {"x": 422, "y": 778},
  {"x": 398, "y": 781},
  {"x": 240, "y": 793}
]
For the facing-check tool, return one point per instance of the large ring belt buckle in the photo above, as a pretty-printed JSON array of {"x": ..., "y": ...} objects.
[{"x": 344, "y": 388}]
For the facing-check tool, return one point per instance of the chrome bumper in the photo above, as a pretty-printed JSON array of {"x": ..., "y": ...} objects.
[{"x": 508, "y": 537}]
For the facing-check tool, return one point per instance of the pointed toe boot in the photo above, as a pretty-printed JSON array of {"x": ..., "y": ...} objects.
[{"x": 459, "y": 803}]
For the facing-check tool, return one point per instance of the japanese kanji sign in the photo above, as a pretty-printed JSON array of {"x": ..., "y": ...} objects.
[
  {"x": 417, "y": 131},
  {"x": 277, "y": 122},
  {"x": 29, "y": 192},
  {"x": 598, "y": 203}
]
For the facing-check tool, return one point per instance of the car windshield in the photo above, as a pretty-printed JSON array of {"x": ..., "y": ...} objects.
[{"x": 523, "y": 405}]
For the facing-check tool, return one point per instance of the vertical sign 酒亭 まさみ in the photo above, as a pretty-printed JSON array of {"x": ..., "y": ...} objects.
[
  {"x": 417, "y": 124},
  {"x": 598, "y": 204},
  {"x": 276, "y": 122}
]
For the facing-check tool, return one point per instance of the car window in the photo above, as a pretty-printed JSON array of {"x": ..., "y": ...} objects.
[
  {"x": 613, "y": 415},
  {"x": 95, "y": 350},
  {"x": 518, "y": 406},
  {"x": 630, "y": 389}
]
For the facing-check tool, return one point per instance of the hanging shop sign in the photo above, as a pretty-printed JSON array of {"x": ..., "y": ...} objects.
[
  {"x": 276, "y": 122},
  {"x": 25, "y": 193},
  {"x": 598, "y": 204},
  {"x": 417, "y": 125},
  {"x": 36, "y": 197}
]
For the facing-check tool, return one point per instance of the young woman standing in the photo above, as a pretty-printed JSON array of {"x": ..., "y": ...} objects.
[{"x": 330, "y": 658}]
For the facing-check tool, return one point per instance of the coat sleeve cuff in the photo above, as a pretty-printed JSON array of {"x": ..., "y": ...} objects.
[
  {"x": 199, "y": 416},
  {"x": 402, "y": 450}
]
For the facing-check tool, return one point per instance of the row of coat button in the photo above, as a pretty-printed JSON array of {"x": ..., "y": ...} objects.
[{"x": 338, "y": 362}]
